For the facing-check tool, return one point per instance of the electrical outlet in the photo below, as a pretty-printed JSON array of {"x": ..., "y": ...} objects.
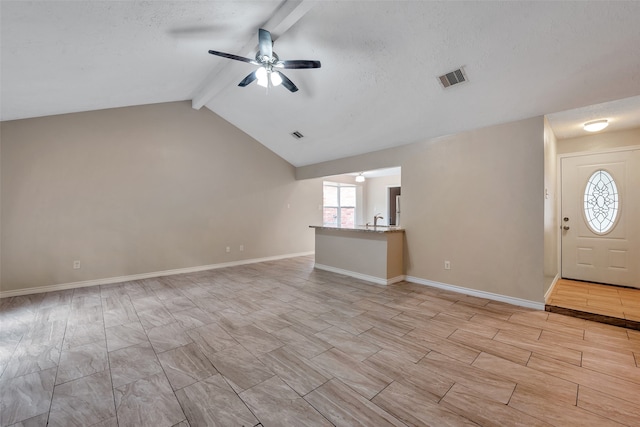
[
  {"x": 447, "y": 265},
  {"x": 241, "y": 248},
  {"x": 228, "y": 249},
  {"x": 76, "y": 265}
]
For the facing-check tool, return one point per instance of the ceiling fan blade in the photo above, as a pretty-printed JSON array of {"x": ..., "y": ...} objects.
[
  {"x": 232, "y": 56},
  {"x": 247, "y": 80},
  {"x": 265, "y": 43},
  {"x": 287, "y": 83},
  {"x": 297, "y": 63}
]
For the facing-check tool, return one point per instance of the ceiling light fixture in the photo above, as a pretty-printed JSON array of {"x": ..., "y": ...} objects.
[
  {"x": 275, "y": 78},
  {"x": 596, "y": 125},
  {"x": 263, "y": 78},
  {"x": 267, "y": 75},
  {"x": 360, "y": 178}
]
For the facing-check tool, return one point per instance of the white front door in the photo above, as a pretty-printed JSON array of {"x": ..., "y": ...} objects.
[{"x": 600, "y": 218}]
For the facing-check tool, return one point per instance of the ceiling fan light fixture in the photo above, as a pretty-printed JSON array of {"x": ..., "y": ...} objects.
[
  {"x": 360, "y": 178},
  {"x": 263, "y": 78},
  {"x": 596, "y": 125},
  {"x": 276, "y": 80}
]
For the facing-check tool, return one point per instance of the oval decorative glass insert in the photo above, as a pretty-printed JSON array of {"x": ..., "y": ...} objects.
[{"x": 601, "y": 202}]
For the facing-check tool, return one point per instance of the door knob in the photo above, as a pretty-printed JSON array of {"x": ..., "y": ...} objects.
[{"x": 566, "y": 227}]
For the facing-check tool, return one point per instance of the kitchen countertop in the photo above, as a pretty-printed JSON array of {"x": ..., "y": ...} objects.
[{"x": 362, "y": 228}]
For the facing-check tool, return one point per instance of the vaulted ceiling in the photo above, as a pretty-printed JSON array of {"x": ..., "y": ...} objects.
[{"x": 377, "y": 87}]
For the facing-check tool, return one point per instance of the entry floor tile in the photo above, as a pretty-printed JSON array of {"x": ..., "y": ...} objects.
[{"x": 613, "y": 305}]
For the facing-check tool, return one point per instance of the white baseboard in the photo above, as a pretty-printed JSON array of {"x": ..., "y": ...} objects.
[
  {"x": 553, "y": 285},
  {"x": 368, "y": 278},
  {"x": 106, "y": 281},
  {"x": 481, "y": 294}
]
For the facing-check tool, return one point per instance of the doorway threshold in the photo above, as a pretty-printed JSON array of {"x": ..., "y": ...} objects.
[{"x": 612, "y": 305}]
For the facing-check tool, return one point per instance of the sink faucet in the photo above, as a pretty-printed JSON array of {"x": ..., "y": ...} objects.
[{"x": 376, "y": 218}]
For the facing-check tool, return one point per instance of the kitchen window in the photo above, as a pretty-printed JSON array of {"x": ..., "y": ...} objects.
[{"x": 339, "y": 204}]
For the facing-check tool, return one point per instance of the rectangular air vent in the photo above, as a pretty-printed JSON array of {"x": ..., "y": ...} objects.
[
  {"x": 297, "y": 135},
  {"x": 453, "y": 78}
]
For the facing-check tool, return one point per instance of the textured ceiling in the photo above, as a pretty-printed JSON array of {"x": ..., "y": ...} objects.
[
  {"x": 621, "y": 114},
  {"x": 377, "y": 87}
]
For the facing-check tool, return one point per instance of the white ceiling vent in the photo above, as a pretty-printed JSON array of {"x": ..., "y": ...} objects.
[
  {"x": 453, "y": 78},
  {"x": 297, "y": 135}
]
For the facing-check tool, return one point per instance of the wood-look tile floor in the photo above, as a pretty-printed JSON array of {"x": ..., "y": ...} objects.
[
  {"x": 281, "y": 344},
  {"x": 615, "y": 305}
]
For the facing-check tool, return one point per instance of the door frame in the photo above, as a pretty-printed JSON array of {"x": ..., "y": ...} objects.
[
  {"x": 559, "y": 192},
  {"x": 389, "y": 202}
]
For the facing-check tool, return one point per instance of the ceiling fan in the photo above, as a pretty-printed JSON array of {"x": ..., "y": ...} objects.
[{"x": 268, "y": 60}]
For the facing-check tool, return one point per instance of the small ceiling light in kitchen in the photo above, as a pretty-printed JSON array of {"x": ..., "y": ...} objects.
[
  {"x": 596, "y": 125},
  {"x": 360, "y": 178}
]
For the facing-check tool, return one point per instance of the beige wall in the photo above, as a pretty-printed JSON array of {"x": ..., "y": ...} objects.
[
  {"x": 475, "y": 199},
  {"x": 375, "y": 197},
  {"x": 551, "y": 224},
  {"x": 143, "y": 189},
  {"x": 343, "y": 179},
  {"x": 0, "y": 207},
  {"x": 600, "y": 141},
  {"x": 390, "y": 157}
]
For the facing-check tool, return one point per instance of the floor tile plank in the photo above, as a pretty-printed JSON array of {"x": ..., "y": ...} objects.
[
  {"x": 433, "y": 384},
  {"x": 26, "y": 396},
  {"x": 125, "y": 335},
  {"x": 240, "y": 368},
  {"x": 554, "y": 388},
  {"x": 134, "y": 407},
  {"x": 275, "y": 404},
  {"x": 344, "y": 407},
  {"x": 407, "y": 403},
  {"x": 620, "y": 388},
  {"x": 407, "y": 347},
  {"x": 302, "y": 340},
  {"x": 212, "y": 402},
  {"x": 563, "y": 354},
  {"x": 297, "y": 372},
  {"x": 497, "y": 348},
  {"x": 362, "y": 378},
  {"x": 489, "y": 385},
  {"x": 82, "y": 361},
  {"x": 444, "y": 346},
  {"x": 83, "y": 402},
  {"x": 533, "y": 402},
  {"x": 353, "y": 345},
  {"x": 132, "y": 363},
  {"x": 255, "y": 339},
  {"x": 627, "y": 413},
  {"x": 186, "y": 365},
  {"x": 486, "y": 412}
]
